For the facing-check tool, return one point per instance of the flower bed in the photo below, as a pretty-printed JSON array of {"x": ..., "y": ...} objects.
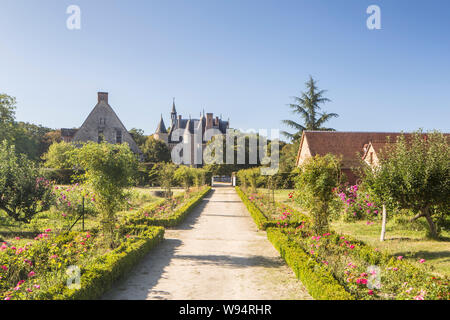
[
  {"x": 37, "y": 269},
  {"x": 331, "y": 264},
  {"x": 268, "y": 215},
  {"x": 170, "y": 212}
]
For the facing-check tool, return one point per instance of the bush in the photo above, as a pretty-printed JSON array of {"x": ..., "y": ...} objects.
[
  {"x": 23, "y": 193},
  {"x": 98, "y": 276},
  {"x": 319, "y": 176},
  {"x": 144, "y": 217},
  {"x": 60, "y": 176},
  {"x": 318, "y": 281}
]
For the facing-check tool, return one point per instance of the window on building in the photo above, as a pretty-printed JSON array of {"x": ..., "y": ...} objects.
[
  {"x": 118, "y": 136},
  {"x": 101, "y": 136}
]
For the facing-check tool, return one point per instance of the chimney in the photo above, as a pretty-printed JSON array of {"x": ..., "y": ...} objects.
[
  {"x": 217, "y": 121},
  {"x": 103, "y": 96},
  {"x": 209, "y": 120}
]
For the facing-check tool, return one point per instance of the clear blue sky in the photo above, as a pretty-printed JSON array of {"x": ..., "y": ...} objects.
[{"x": 244, "y": 59}]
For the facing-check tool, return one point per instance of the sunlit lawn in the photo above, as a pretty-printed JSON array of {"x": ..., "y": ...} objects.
[
  {"x": 52, "y": 219},
  {"x": 400, "y": 240}
]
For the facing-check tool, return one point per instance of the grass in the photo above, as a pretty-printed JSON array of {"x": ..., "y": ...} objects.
[
  {"x": 52, "y": 219},
  {"x": 401, "y": 241},
  {"x": 402, "y": 237}
]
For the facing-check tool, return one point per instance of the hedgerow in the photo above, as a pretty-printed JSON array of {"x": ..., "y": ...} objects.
[{"x": 329, "y": 264}]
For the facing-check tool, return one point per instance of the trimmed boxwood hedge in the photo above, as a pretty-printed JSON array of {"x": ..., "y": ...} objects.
[
  {"x": 260, "y": 219},
  {"x": 98, "y": 276},
  {"x": 318, "y": 281},
  {"x": 177, "y": 217}
]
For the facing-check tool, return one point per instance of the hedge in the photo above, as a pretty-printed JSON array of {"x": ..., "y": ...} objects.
[
  {"x": 98, "y": 276},
  {"x": 320, "y": 283},
  {"x": 260, "y": 219},
  {"x": 177, "y": 217}
]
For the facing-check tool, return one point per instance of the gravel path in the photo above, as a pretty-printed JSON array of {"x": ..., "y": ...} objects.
[{"x": 217, "y": 253}]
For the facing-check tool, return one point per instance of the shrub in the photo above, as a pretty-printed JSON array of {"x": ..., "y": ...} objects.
[
  {"x": 109, "y": 169},
  {"x": 318, "y": 177},
  {"x": 23, "y": 193},
  {"x": 58, "y": 155}
]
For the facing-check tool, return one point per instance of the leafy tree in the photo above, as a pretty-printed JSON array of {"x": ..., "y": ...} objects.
[
  {"x": 185, "y": 176},
  {"x": 23, "y": 193},
  {"x": 7, "y": 116},
  {"x": 166, "y": 177},
  {"x": 308, "y": 107},
  {"x": 109, "y": 170},
  {"x": 155, "y": 150},
  {"x": 414, "y": 174},
  {"x": 59, "y": 155},
  {"x": 318, "y": 177},
  {"x": 200, "y": 175},
  {"x": 138, "y": 136}
]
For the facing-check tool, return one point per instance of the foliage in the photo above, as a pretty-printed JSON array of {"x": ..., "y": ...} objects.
[
  {"x": 59, "y": 155},
  {"x": 357, "y": 203},
  {"x": 319, "y": 282},
  {"x": 414, "y": 174},
  {"x": 318, "y": 177},
  {"x": 169, "y": 213},
  {"x": 23, "y": 192},
  {"x": 308, "y": 107},
  {"x": 73, "y": 200},
  {"x": 155, "y": 150},
  {"x": 267, "y": 215},
  {"x": 7, "y": 116},
  {"x": 185, "y": 176},
  {"x": 166, "y": 177},
  {"x": 101, "y": 273},
  {"x": 108, "y": 170},
  {"x": 29, "y": 139},
  {"x": 138, "y": 136}
]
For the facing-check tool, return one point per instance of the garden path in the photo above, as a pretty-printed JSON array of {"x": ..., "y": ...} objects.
[{"x": 217, "y": 253}]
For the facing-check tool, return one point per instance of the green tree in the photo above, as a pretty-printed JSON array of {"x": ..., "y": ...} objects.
[
  {"x": 155, "y": 150},
  {"x": 318, "y": 177},
  {"x": 185, "y": 176},
  {"x": 108, "y": 169},
  {"x": 7, "y": 117},
  {"x": 414, "y": 174},
  {"x": 166, "y": 177},
  {"x": 59, "y": 155},
  {"x": 138, "y": 136},
  {"x": 23, "y": 193},
  {"x": 308, "y": 107}
]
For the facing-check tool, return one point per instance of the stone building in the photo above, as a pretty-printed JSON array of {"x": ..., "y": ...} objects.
[
  {"x": 172, "y": 136},
  {"x": 102, "y": 124}
]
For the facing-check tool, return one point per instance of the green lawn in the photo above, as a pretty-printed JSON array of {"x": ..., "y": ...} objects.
[
  {"x": 52, "y": 219},
  {"x": 401, "y": 240}
]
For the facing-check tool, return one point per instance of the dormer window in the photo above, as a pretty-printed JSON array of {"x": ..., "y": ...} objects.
[{"x": 118, "y": 136}]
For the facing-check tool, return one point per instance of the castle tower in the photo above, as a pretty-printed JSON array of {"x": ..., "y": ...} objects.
[
  {"x": 173, "y": 115},
  {"x": 161, "y": 132}
]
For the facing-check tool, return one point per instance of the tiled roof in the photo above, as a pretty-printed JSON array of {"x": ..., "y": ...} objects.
[{"x": 349, "y": 145}]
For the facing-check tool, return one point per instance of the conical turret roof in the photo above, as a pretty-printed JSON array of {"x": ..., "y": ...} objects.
[{"x": 161, "y": 127}]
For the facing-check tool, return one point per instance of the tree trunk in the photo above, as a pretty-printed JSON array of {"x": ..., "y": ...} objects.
[
  {"x": 383, "y": 224},
  {"x": 433, "y": 230}
]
